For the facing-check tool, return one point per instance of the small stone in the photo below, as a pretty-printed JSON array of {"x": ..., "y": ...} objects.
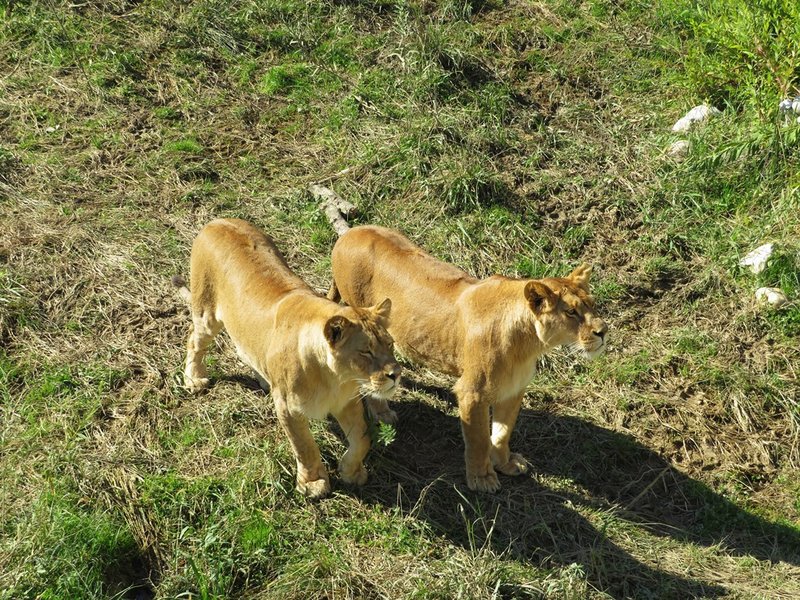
[
  {"x": 757, "y": 259},
  {"x": 697, "y": 115},
  {"x": 679, "y": 149},
  {"x": 772, "y": 296}
]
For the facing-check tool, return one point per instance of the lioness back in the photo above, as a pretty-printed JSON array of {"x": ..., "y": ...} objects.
[
  {"x": 371, "y": 262},
  {"x": 313, "y": 354},
  {"x": 233, "y": 265}
]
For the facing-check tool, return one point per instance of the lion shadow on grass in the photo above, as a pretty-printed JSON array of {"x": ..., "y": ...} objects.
[{"x": 604, "y": 472}]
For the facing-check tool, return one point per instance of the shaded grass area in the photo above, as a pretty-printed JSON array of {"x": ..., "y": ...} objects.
[{"x": 507, "y": 137}]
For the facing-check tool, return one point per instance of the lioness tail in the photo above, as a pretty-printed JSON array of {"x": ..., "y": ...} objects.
[
  {"x": 333, "y": 293},
  {"x": 180, "y": 283}
]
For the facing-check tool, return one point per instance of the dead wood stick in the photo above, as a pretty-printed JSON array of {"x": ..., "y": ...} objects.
[
  {"x": 327, "y": 195},
  {"x": 338, "y": 223},
  {"x": 336, "y": 208},
  {"x": 647, "y": 488},
  {"x": 335, "y": 176}
]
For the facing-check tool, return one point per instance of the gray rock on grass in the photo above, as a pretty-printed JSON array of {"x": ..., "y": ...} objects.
[{"x": 698, "y": 114}]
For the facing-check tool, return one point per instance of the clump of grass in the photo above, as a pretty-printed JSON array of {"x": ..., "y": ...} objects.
[
  {"x": 782, "y": 271},
  {"x": 75, "y": 553},
  {"x": 167, "y": 113},
  {"x": 7, "y": 164},
  {"x": 185, "y": 146},
  {"x": 283, "y": 79},
  {"x": 743, "y": 55},
  {"x": 463, "y": 186}
]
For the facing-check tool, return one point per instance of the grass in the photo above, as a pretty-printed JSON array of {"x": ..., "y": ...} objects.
[{"x": 506, "y": 137}]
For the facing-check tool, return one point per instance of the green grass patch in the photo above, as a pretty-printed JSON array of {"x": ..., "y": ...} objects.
[
  {"x": 284, "y": 79},
  {"x": 741, "y": 54},
  {"x": 629, "y": 370},
  {"x": 73, "y": 552},
  {"x": 185, "y": 146}
]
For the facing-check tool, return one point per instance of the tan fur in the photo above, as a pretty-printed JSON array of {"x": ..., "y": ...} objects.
[
  {"x": 314, "y": 355},
  {"x": 489, "y": 333}
]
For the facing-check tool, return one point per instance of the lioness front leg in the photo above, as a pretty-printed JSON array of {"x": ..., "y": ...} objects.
[
  {"x": 474, "y": 413},
  {"x": 504, "y": 417},
  {"x": 351, "y": 420},
  {"x": 312, "y": 477}
]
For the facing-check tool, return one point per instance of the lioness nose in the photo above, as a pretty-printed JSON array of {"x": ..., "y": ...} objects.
[
  {"x": 393, "y": 372},
  {"x": 601, "y": 330}
]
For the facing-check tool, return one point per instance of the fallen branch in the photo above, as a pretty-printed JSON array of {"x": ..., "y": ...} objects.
[
  {"x": 336, "y": 208},
  {"x": 335, "y": 176},
  {"x": 647, "y": 488}
]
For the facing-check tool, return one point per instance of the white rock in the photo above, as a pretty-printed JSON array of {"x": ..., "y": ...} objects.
[
  {"x": 757, "y": 259},
  {"x": 785, "y": 105},
  {"x": 796, "y": 105},
  {"x": 679, "y": 149},
  {"x": 772, "y": 296},
  {"x": 697, "y": 115}
]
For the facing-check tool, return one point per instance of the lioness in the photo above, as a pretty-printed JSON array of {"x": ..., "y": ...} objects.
[
  {"x": 489, "y": 333},
  {"x": 314, "y": 354}
]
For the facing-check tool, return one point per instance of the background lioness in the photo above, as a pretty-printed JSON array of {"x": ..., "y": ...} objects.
[
  {"x": 488, "y": 333},
  {"x": 313, "y": 354}
]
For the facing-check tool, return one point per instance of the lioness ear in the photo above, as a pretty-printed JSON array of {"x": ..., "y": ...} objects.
[
  {"x": 581, "y": 276},
  {"x": 539, "y": 296},
  {"x": 337, "y": 330},
  {"x": 383, "y": 309}
]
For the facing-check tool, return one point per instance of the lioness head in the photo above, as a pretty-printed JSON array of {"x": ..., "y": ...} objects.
[
  {"x": 361, "y": 346},
  {"x": 565, "y": 312}
]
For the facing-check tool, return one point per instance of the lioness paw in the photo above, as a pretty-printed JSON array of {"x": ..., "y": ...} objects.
[
  {"x": 196, "y": 384},
  {"x": 379, "y": 411},
  {"x": 357, "y": 476},
  {"x": 387, "y": 416},
  {"x": 314, "y": 490},
  {"x": 516, "y": 465},
  {"x": 483, "y": 483}
]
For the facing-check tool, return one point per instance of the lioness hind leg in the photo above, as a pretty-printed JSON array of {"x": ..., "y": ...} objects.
[
  {"x": 315, "y": 489},
  {"x": 351, "y": 466},
  {"x": 204, "y": 329},
  {"x": 379, "y": 410},
  {"x": 515, "y": 465},
  {"x": 504, "y": 418},
  {"x": 312, "y": 478}
]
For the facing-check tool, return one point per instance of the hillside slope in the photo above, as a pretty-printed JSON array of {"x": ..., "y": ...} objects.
[{"x": 515, "y": 137}]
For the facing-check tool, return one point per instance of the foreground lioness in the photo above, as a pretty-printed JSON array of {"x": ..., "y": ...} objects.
[
  {"x": 313, "y": 353},
  {"x": 488, "y": 333}
]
